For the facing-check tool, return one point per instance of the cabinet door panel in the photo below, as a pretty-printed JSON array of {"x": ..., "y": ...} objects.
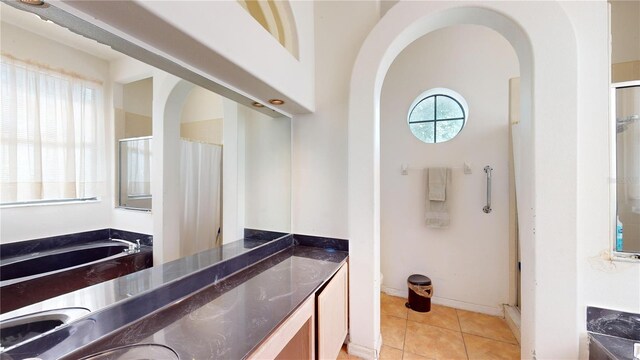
[
  {"x": 294, "y": 339},
  {"x": 332, "y": 316}
]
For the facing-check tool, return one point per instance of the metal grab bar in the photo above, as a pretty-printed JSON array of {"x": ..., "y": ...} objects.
[{"x": 487, "y": 170}]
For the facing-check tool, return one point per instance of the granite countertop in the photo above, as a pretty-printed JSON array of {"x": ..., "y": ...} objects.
[
  {"x": 230, "y": 319},
  {"x": 110, "y": 292},
  {"x": 615, "y": 347},
  {"x": 197, "y": 315},
  {"x": 614, "y": 332}
]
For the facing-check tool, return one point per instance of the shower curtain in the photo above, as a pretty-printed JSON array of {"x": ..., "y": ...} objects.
[{"x": 200, "y": 186}]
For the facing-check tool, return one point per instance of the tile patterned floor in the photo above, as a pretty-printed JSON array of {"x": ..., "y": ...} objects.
[{"x": 443, "y": 333}]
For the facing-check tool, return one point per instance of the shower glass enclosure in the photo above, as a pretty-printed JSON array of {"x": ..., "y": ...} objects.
[
  {"x": 134, "y": 190},
  {"x": 626, "y": 98}
]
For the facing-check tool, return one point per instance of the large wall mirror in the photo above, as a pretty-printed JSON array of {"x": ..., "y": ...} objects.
[
  {"x": 231, "y": 163},
  {"x": 626, "y": 122},
  {"x": 133, "y": 130}
]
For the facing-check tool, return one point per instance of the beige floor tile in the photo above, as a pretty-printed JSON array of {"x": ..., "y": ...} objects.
[
  {"x": 343, "y": 355},
  {"x": 479, "y": 348},
  {"x": 393, "y": 305},
  {"x": 487, "y": 326},
  {"x": 440, "y": 316},
  {"x": 389, "y": 353},
  {"x": 434, "y": 342},
  {"x": 393, "y": 331},
  {"x": 410, "y": 356}
]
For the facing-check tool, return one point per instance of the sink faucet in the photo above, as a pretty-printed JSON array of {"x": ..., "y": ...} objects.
[{"x": 133, "y": 248}]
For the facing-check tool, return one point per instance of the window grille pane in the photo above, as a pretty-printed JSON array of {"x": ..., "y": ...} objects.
[
  {"x": 423, "y": 131},
  {"x": 448, "y": 108},
  {"x": 437, "y": 115},
  {"x": 447, "y": 130},
  {"x": 424, "y": 110}
]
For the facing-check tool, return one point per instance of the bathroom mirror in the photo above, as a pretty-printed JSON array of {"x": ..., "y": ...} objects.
[
  {"x": 253, "y": 144},
  {"x": 134, "y": 173},
  {"x": 626, "y": 127},
  {"x": 133, "y": 130}
]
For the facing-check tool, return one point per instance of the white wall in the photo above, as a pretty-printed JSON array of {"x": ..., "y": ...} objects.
[
  {"x": 202, "y": 117},
  {"x": 601, "y": 282},
  {"x": 138, "y": 97},
  {"x": 320, "y": 139},
  {"x": 202, "y": 104},
  {"x": 233, "y": 174},
  {"x": 267, "y": 177},
  {"x": 136, "y": 103},
  {"x": 469, "y": 261},
  {"x": 24, "y": 223},
  {"x": 125, "y": 71}
]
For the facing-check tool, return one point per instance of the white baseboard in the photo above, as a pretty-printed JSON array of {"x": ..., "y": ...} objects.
[
  {"x": 512, "y": 316},
  {"x": 394, "y": 292},
  {"x": 484, "y": 309},
  {"x": 365, "y": 352}
]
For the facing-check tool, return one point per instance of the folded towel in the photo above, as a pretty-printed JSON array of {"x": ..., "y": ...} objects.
[
  {"x": 437, "y": 211},
  {"x": 437, "y": 183}
]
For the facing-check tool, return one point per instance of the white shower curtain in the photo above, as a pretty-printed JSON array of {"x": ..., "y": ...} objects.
[{"x": 200, "y": 186}]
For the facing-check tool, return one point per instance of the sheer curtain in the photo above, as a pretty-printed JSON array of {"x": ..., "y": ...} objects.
[
  {"x": 51, "y": 134},
  {"x": 200, "y": 186}
]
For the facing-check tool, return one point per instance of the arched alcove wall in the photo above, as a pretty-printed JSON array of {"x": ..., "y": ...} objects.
[
  {"x": 547, "y": 52},
  {"x": 170, "y": 95}
]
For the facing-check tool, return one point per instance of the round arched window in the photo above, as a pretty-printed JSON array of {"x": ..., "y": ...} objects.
[{"x": 437, "y": 115}]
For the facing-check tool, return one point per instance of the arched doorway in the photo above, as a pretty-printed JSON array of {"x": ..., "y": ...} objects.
[{"x": 548, "y": 62}]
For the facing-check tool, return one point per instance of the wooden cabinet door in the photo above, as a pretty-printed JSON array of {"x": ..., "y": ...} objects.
[
  {"x": 294, "y": 339},
  {"x": 332, "y": 316}
]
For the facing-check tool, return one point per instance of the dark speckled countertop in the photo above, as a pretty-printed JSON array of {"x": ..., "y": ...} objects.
[
  {"x": 235, "y": 255},
  {"x": 613, "y": 332},
  {"x": 227, "y": 319},
  {"x": 230, "y": 319}
]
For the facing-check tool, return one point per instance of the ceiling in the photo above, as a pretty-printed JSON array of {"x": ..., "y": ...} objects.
[{"x": 49, "y": 30}]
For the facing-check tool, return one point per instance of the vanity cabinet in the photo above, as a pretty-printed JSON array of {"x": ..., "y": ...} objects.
[
  {"x": 294, "y": 339},
  {"x": 319, "y": 326},
  {"x": 332, "y": 313}
]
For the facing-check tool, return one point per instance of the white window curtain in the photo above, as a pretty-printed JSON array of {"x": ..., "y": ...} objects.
[
  {"x": 200, "y": 187},
  {"x": 52, "y": 134}
]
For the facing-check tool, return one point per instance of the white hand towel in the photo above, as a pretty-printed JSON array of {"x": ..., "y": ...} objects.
[
  {"x": 437, "y": 211},
  {"x": 437, "y": 184}
]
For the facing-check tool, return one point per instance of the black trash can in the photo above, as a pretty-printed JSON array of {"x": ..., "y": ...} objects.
[{"x": 420, "y": 293}]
